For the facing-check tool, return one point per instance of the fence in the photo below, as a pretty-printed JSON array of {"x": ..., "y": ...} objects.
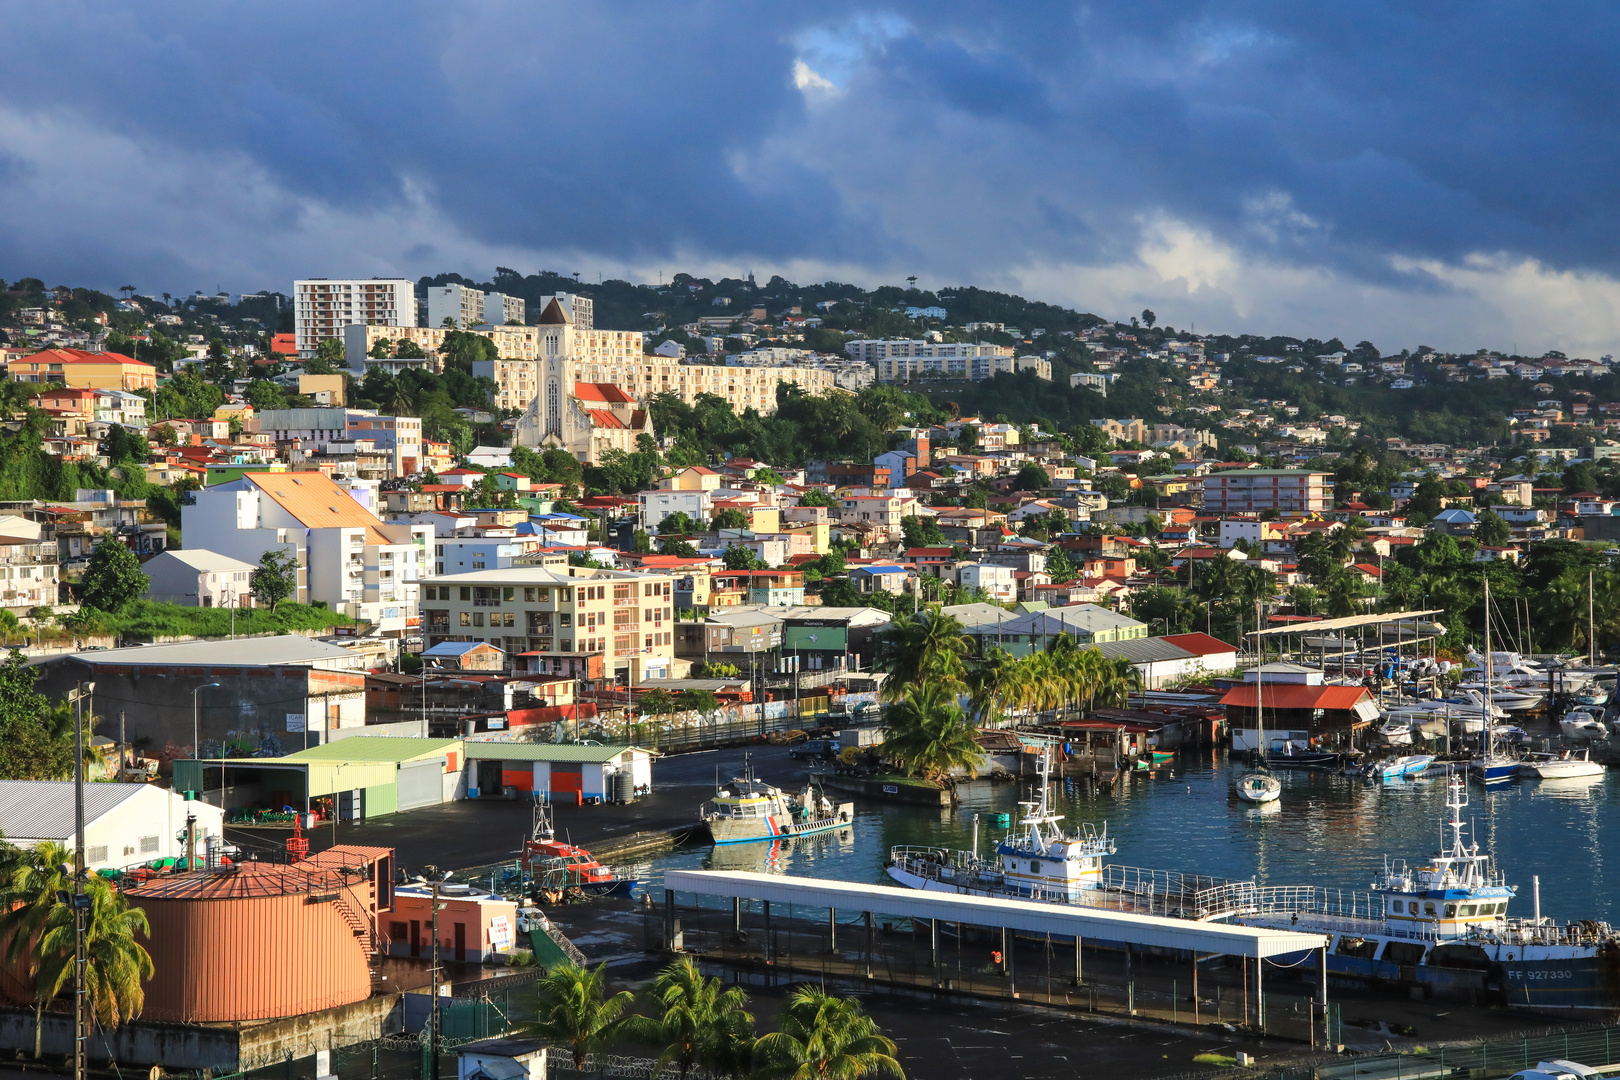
[{"x": 1478, "y": 1061}]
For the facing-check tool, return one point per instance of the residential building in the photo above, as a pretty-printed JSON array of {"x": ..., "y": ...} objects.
[
  {"x": 659, "y": 504},
  {"x": 999, "y": 581},
  {"x": 581, "y": 309},
  {"x": 322, "y": 307},
  {"x": 28, "y": 573},
  {"x": 197, "y": 577},
  {"x": 81, "y": 370},
  {"x": 463, "y": 306},
  {"x": 348, "y": 557},
  {"x": 627, "y": 618},
  {"x": 461, "y": 556},
  {"x": 1295, "y": 492},
  {"x": 901, "y": 361}
]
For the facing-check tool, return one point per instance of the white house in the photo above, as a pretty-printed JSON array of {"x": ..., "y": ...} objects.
[
  {"x": 124, "y": 824},
  {"x": 197, "y": 577},
  {"x": 659, "y": 504},
  {"x": 1000, "y": 582}
]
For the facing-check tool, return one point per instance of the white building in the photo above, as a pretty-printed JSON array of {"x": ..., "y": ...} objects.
[
  {"x": 658, "y": 505},
  {"x": 461, "y": 556},
  {"x": 464, "y": 307},
  {"x": 898, "y": 361},
  {"x": 999, "y": 581},
  {"x": 196, "y": 577},
  {"x": 124, "y": 824},
  {"x": 322, "y": 307},
  {"x": 348, "y": 557},
  {"x": 581, "y": 309}
]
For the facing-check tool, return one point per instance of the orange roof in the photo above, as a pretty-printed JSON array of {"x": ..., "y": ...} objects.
[
  {"x": 1298, "y": 696},
  {"x": 604, "y": 392},
  {"x": 603, "y": 419},
  {"x": 1200, "y": 644},
  {"x": 318, "y": 503}
]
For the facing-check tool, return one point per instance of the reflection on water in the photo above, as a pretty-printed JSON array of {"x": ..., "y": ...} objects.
[{"x": 1326, "y": 830}]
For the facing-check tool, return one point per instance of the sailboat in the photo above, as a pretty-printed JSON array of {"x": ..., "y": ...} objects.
[
  {"x": 1493, "y": 766},
  {"x": 1258, "y": 784}
]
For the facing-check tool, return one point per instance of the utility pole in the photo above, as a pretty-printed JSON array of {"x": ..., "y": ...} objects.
[
  {"x": 434, "y": 973},
  {"x": 81, "y": 902}
]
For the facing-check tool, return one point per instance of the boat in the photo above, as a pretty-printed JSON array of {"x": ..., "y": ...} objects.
[
  {"x": 1258, "y": 784},
  {"x": 1396, "y": 731},
  {"x": 745, "y": 810},
  {"x": 1494, "y": 765},
  {"x": 558, "y": 868},
  {"x": 1039, "y": 862},
  {"x": 1404, "y": 767},
  {"x": 1163, "y": 757},
  {"x": 1442, "y": 927},
  {"x": 1565, "y": 766},
  {"x": 1593, "y": 695},
  {"x": 1510, "y": 734},
  {"x": 1583, "y": 723},
  {"x": 1289, "y": 756}
]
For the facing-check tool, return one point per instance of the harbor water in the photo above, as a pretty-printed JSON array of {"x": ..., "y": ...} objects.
[{"x": 1327, "y": 830}]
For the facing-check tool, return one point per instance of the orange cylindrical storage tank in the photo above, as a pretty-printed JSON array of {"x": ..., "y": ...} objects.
[{"x": 252, "y": 943}]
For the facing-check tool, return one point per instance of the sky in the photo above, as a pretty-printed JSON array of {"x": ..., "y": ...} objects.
[{"x": 1438, "y": 173}]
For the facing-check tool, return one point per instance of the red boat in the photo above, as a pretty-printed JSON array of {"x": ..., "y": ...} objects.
[{"x": 558, "y": 867}]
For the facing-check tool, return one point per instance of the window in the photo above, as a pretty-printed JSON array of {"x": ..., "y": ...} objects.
[
  {"x": 1451, "y": 911},
  {"x": 96, "y": 854},
  {"x": 508, "y": 592},
  {"x": 396, "y": 931},
  {"x": 466, "y": 619},
  {"x": 466, "y": 593},
  {"x": 528, "y": 594},
  {"x": 1398, "y": 906},
  {"x": 149, "y": 844},
  {"x": 1428, "y": 909},
  {"x": 1467, "y": 911}
]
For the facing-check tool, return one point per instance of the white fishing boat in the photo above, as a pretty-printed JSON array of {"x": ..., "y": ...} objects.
[
  {"x": 1039, "y": 862},
  {"x": 1568, "y": 765},
  {"x": 745, "y": 809},
  {"x": 1583, "y": 724}
]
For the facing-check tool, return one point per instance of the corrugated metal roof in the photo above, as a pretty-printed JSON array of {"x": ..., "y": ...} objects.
[
  {"x": 587, "y": 755},
  {"x": 254, "y": 652},
  {"x": 1297, "y": 696},
  {"x": 365, "y": 749},
  {"x": 1026, "y": 915},
  {"x": 1142, "y": 650},
  {"x": 43, "y": 809}
]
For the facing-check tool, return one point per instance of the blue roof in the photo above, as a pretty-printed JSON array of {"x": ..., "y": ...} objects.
[
  {"x": 452, "y": 648},
  {"x": 1455, "y": 515},
  {"x": 881, "y": 569}
]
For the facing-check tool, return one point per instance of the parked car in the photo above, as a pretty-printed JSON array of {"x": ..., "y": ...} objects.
[{"x": 818, "y": 749}]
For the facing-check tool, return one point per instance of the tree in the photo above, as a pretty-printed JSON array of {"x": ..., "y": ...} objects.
[
  {"x": 32, "y": 747},
  {"x": 741, "y": 558},
  {"x": 916, "y": 648},
  {"x": 329, "y": 358},
  {"x": 640, "y": 542},
  {"x": 729, "y": 518},
  {"x": 574, "y": 1010},
  {"x": 677, "y": 524},
  {"x": 275, "y": 578},
  {"x": 697, "y": 1019},
  {"x": 1059, "y": 565},
  {"x": 921, "y": 532},
  {"x": 815, "y": 497},
  {"x": 26, "y": 901},
  {"x": 114, "y": 577},
  {"x": 829, "y": 1037},
  {"x": 122, "y": 445},
  {"x": 116, "y": 964},
  {"x": 1032, "y": 478},
  {"x": 1148, "y": 318},
  {"x": 1490, "y": 530},
  {"x": 681, "y": 549}
]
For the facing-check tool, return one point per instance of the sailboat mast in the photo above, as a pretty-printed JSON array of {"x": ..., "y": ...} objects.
[
  {"x": 1259, "y": 688},
  {"x": 1489, "y": 670},
  {"x": 1591, "y": 624}
]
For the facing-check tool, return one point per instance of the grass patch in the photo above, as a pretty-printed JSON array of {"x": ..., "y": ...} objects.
[
  {"x": 146, "y": 619},
  {"x": 907, "y": 781},
  {"x": 1210, "y": 1058}
]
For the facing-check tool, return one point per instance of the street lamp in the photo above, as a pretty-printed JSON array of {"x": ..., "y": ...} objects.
[{"x": 196, "y": 731}]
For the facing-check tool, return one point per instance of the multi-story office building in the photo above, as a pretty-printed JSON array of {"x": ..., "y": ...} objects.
[
  {"x": 626, "y": 618},
  {"x": 1249, "y": 491},
  {"x": 322, "y": 307}
]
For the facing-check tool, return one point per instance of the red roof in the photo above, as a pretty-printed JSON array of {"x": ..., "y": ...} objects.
[
  {"x": 928, "y": 553},
  {"x": 1199, "y": 644},
  {"x": 604, "y": 392},
  {"x": 1298, "y": 696},
  {"x": 284, "y": 343},
  {"x": 603, "y": 419},
  {"x": 79, "y": 356}
]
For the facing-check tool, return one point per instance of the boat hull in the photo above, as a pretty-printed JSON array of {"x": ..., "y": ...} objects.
[
  {"x": 754, "y": 829},
  {"x": 1494, "y": 771}
]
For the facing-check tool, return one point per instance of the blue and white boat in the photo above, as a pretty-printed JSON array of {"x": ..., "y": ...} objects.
[{"x": 1405, "y": 767}]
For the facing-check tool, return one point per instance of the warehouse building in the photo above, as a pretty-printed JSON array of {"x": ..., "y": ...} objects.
[
  {"x": 572, "y": 773},
  {"x": 124, "y": 824},
  {"x": 367, "y": 776}
]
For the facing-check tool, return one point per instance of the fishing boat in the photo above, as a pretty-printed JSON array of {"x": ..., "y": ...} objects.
[
  {"x": 1404, "y": 767},
  {"x": 1039, "y": 862},
  {"x": 1442, "y": 926},
  {"x": 1565, "y": 766},
  {"x": 1583, "y": 724},
  {"x": 559, "y": 868},
  {"x": 745, "y": 810}
]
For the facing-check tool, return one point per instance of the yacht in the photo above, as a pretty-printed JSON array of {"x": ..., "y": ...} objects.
[
  {"x": 1583, "y": 724},
  {"x": 1569, "y": 764},
  {"x": 1396, "y": 731}
]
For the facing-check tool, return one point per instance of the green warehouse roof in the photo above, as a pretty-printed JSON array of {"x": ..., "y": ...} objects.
[{"x": 371, "y": 749}]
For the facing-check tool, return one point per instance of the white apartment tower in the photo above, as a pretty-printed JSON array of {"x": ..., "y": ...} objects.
[
  {"x": 470, "y": 307},
  {"x": 322, "y": 307},
  {"x": 581, "y": 309}
]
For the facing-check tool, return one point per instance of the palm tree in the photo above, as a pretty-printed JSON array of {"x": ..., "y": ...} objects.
[
  {"x": 1118, "y": 678},
  {"x": 699, "y": 1019},
  {"x": 995, "y": 682},
  {"x": 930, "y": 734},
  {"x": 116, "y": 964},
  {"x": 914, "y": 648},
  {"x": 574, "y": 1010},
  {"x": 827, "y": 1037},
  {"x": 26, "y": 903}
]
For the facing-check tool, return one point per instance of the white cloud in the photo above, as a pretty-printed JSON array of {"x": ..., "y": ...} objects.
[{"x": 807, "y": 80}]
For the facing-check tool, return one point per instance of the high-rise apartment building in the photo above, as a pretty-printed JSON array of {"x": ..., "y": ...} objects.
[
  {"x": 626, "y": 618},
  {"x": 322, "y": 307},
  {"x": 581, "y": 309},
  {"x": 500, "y": 309},
  {"x": 898, "y": 361},
  {"x": 462, "y": 306}
]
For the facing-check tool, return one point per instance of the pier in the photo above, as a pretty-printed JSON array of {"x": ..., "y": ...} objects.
[{"x": 792, "y": 924}]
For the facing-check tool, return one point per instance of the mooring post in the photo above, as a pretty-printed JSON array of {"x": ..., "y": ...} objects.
[
  {"x": 1130, "y": 982},
  {"x": 1259, "y": 993},
  {"x": 832, "y": 931},
  {"x": 1195, "y": 985},
  {"x": 1077, "y": 979},
  {"x": 933, "y": 943},
  {"x": 870, "y": 942},
  {"x": 1322, "y": 995}
]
